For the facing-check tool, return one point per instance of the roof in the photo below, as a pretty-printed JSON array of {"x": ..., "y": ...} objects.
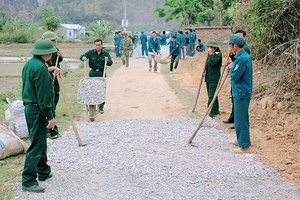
[{"x": 72, "y": 26}]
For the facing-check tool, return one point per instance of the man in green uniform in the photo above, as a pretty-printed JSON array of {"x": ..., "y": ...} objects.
[
  {"x": 37, "y": 95},
  {"x": 212, "y": 74},
  {"x": 241, "y": 75},
  {"x": 55, "y": 70},
  {"x": 174, "y": 53},
  {"x": 126, "y": 49},
  {"x": 242, "y": 33},
  {"x": 97, "y": 58}
]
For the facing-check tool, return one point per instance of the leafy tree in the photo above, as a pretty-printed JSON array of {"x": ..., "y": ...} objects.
[
  {"x": 191, "y": 12},
  {"x": 46, "y": 12},
  {"x": 100, "y": 28},
  {"x": 2, "y": 18},
  {"x": 12, "y": 24},
  {"x": 52, "y": 23}
]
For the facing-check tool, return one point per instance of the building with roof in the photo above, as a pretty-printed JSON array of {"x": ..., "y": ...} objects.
[{"x": 71, "y": 31}]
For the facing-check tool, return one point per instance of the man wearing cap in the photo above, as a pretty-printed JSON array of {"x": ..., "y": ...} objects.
[
  {"x": 55, "y": 70},
  {"x": 231, "y": 55},
  {"x": 144, "y": 40},
  {"x": 212, "y": 74},
  {"x": 153, "y": 50},
  {"x": 241, "y": 78},
  {"x": 97, "y": 58},
  {"x": 174, "y": 53},
  {"x": 37, "y": 96},
  {"x": 126, "y": 47}
]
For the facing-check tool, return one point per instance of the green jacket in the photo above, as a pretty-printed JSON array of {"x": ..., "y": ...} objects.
[
  {"x": 96, "y": 61},
  {"x": 213, "y": 67},
  {"x": 174, "y": 48},
  {"x": 38, "y": 86}
]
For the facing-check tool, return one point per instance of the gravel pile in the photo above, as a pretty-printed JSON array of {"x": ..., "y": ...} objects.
[{"x": 150, "y": 159}]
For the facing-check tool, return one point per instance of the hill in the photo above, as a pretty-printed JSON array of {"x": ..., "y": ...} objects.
[{"x": 140, "y": 14}]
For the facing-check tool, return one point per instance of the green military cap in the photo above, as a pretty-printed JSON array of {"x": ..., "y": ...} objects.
[
  {"x": 42, "y": 47},
  {"x": 49, "y": 35},
  {"x": 212, "y": 43},
  {"x": 235, "y": 39}
]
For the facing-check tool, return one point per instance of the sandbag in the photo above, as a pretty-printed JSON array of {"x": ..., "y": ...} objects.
[
  {"x": 18, "y": 122},
  {"x": 10, "y": 144}
]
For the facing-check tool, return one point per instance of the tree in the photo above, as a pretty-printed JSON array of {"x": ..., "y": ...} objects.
[
  {"x": 46, "y": 12},
  {"x": 2, "y": 18},
  {"x": 12, "y": 24},
  {"x": 100, "y": 28},
  {"x": 192, "y": 12},
  {"x": 52, "y": 23}
]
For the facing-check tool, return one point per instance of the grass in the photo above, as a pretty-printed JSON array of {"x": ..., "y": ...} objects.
[
  {"x": 186, "y": 97},
  {"x": 11, "y": 168}
]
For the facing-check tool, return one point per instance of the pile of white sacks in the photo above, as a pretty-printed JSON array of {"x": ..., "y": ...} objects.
[{"x": 11, "y": 136}]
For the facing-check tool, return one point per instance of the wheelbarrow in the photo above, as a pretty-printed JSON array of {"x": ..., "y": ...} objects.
[{"x": 92, "y": 92}]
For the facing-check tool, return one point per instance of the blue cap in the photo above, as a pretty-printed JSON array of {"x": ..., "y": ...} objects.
[{"x": 235, "y": 39}]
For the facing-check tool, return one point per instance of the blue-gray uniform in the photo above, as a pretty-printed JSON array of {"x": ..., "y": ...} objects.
[
  {"x": 164, "y": 38},
  {"x": 241, "y": 75},
  {"x": 153, "y": 48},
  {"x": 192, "y": 41},
  {"x": 143, "y": 39},
  {"x": 175, "y": 54},
  {"x": 181, "y": 39}
]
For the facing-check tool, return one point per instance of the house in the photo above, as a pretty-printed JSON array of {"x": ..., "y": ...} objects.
[{"x": 71, "y": 31}]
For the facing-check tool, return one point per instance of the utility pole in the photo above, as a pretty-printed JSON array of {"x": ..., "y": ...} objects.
[{"x": 124, "y": 21}]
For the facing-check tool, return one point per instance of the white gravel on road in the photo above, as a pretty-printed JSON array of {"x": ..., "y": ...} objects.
[{"x": 150, "y": 159}]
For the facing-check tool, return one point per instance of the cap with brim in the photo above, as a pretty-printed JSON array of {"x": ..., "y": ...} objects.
[
  {"x": 49, "y": 35},
  {"x": 42, "y": 47},
  {"x": 212, "y": 43},
  {"x": 235, "y": 39}
]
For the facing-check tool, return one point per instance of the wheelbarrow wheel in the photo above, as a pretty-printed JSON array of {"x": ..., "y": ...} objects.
[{"x": 91, "y": 112}]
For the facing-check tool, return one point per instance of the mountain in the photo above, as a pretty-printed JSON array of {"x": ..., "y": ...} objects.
[{"x": 140, "y": 13}]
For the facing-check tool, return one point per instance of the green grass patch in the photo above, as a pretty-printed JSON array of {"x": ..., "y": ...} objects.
[{"x": 186, "y": 97}]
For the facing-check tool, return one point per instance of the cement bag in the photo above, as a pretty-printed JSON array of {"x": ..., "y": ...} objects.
[
  {"x": 10, "y": 144},
  {"x": 18, "y": 122},
  {"x": 19, "y": 126},
  {"x": 16, "y": 108},
  {"x": 7, "y": 115}
]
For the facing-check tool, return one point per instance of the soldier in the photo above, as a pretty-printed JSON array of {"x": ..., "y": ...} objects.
[
  {"x": 54, "y": 134},
  {"x": 126, "y": 49},
  {"x": 97, "y": 59},
  {"x": 174, "y": 53},
  {"x": 37, "y": 95},
  {"x": 117, "y": 39},
  {"x": 144, "y": 41},
  {"x": 212, "y": 74},
  {"x": 153, "y": 50}
]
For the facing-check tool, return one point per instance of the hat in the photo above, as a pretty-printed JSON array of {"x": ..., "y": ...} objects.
[
  {"x": 42, "y": 47},
  {"x": 235, "y": 39},
  {"x": 49, "y": 35},
  {"x": 212, "y": 43}
]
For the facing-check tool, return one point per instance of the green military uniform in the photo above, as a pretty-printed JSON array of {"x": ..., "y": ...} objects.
[
  {"x": 125, "y": 47},
  {"x": 96, "y": 63},
  {"x": 212, "y": 76},
  {"x": 52, "y": 62},
  {"x": 37, "y": 95}
]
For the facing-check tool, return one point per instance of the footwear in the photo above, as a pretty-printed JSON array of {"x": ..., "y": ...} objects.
[
  {"x": 232, "y": 127},
  {"x": 55, "y": 136},
  {"x": 155, "y": 71},
  {"x": 233, "y": 142},
  {"x": 45, "y": 178},
  {"x": 149, "y": 69},
  {"x": 228, "y": 121},
  {"x": 101, "y": 111},
  {"x": 34, "y": 188},
  {"x": 171, "y": 72},
  {"x": 174, "y": 70},
  {"x": 240, "y": 150}
]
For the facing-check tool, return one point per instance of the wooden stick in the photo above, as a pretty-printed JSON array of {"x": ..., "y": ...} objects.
[
  {"x": 62, "y": 90},
  {"x": 209, "y": 108},
  {"x": 201, "y": 80}
]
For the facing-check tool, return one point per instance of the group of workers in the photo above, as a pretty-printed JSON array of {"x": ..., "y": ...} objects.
[{"x": 40, "y": 90}]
